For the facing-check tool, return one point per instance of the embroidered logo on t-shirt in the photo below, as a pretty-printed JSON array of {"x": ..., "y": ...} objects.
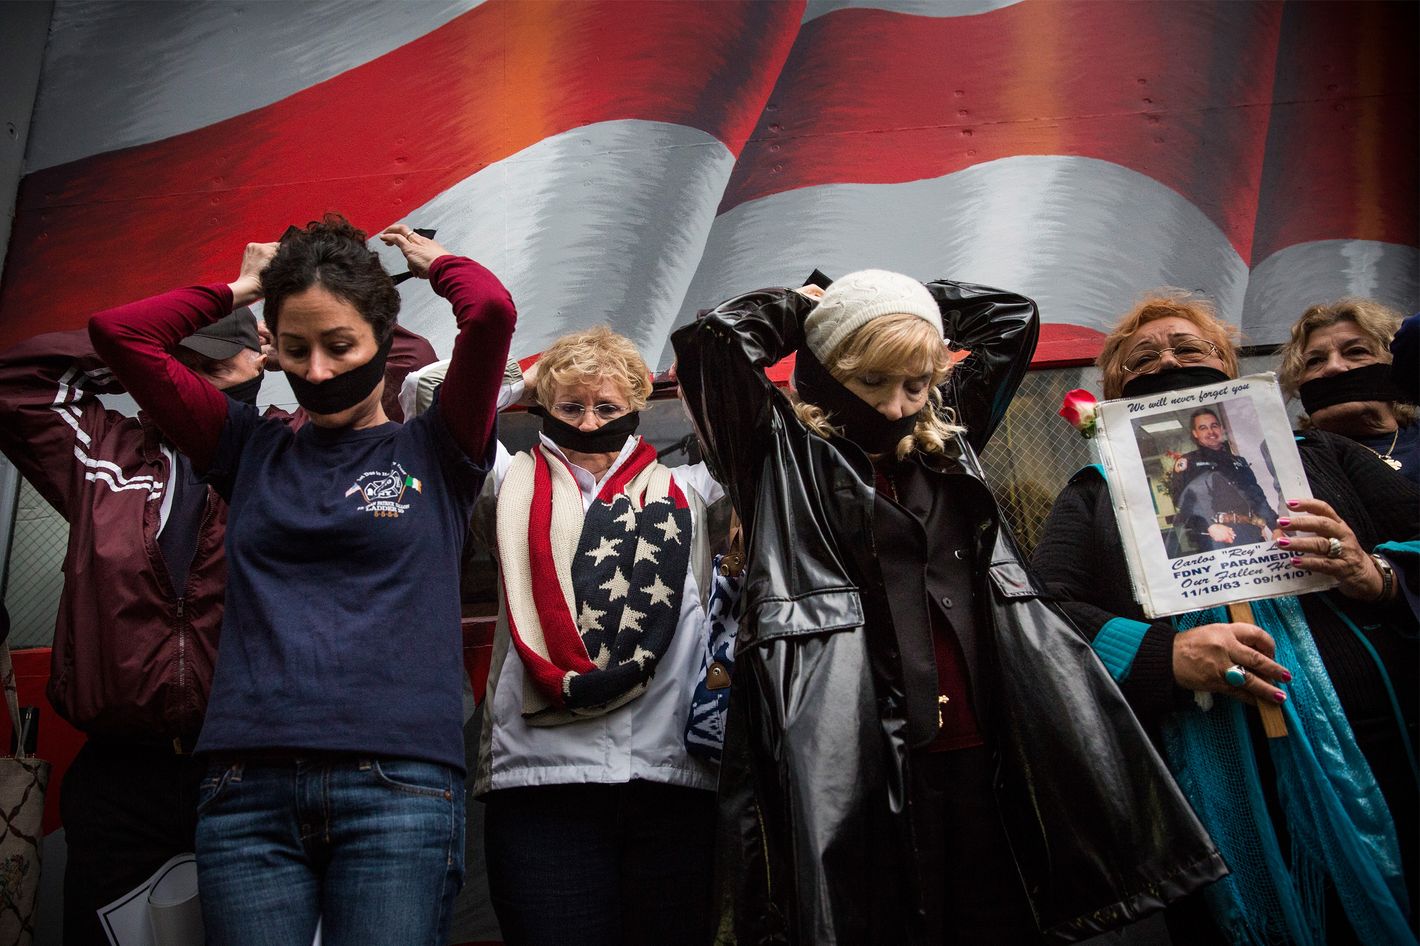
[{"x": 384, "y": 491}]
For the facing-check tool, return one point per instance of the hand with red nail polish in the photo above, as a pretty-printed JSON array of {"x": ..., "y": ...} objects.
[
  {"x": 1311, "y": 528},
  {"x": 1202, "y": 656}
]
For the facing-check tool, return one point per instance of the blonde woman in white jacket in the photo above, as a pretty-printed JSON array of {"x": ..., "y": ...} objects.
[{"x": 599, "y": 824}]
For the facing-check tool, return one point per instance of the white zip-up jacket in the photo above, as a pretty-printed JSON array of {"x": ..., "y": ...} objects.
[{"x": 644, "y": 739}]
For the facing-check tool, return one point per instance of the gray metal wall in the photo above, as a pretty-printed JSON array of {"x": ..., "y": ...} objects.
[{"x": 24, "y": 30}]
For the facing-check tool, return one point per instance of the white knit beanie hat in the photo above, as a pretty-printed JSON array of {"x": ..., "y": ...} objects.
[{"x": 856, "y": 299}]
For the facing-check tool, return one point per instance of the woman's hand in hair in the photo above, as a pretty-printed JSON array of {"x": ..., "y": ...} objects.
[
  {"x": 269, "y": 358},
  {"x": 246, "y": 288},
  {"x": 529, "y": 397},
  {"x": 813, "y": 292},
  {"x": 419, "y": 251}
]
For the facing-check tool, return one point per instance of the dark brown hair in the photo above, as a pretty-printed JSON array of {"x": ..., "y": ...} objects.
[{"x": 331, "y": 253}]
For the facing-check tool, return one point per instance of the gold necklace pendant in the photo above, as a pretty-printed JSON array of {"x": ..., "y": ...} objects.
[{"x": 1386, "y": 458}]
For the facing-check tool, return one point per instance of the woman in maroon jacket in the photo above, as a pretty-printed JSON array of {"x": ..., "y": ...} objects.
[{"x": 334, "y": 791}]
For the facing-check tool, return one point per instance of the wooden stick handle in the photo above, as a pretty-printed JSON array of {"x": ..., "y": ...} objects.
[{"x": 1273, "y": 723}]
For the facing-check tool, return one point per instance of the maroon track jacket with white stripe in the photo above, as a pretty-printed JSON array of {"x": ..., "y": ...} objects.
[{"x": 132, "y": 655}]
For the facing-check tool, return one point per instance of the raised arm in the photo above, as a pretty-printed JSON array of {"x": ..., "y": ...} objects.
[
  {"x": 1000, "y": 330},
  {"x": 49, "y": 415},
  {"x": 136, "y": 341},
  {"x": 720, "y": 361},
  {"x": 486, "y": 317}
]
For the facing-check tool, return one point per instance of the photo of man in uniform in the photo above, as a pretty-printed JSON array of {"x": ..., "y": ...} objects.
[{"x": 1219, "y": 502}]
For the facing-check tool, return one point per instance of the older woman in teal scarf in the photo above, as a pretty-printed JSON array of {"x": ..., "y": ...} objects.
[{"x": 1319, "y": 828}]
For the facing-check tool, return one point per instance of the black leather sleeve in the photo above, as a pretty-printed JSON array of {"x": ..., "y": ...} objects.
[
  {"x": 1000, "y": 330},
  {"x": 720, "y": 361},
  {"x": 1081, "y": 564}
]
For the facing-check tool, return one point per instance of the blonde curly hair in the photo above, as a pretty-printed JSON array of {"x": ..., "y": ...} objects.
[
  {"x": 896, "y": 344},
  {"x": 1377, "y": 321},
  {"x": 590, "y": 357}
]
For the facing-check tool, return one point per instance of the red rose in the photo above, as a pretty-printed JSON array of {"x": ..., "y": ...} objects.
[{"x": 1079, "y": 410}]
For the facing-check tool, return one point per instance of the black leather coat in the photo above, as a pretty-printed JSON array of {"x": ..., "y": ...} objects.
[{"x": 830, "y": 697}]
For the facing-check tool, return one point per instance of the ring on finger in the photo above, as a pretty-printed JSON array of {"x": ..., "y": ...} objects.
[
  {"x": 1333, "y": 547},
  {"x": 1236, "y": 675}
]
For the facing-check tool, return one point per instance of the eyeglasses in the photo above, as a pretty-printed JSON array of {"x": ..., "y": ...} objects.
[
  {"x": 572, "y": 412},
  {"x": 1188, "y": 351}
]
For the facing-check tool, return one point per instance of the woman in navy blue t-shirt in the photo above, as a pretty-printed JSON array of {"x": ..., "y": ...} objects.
[{"x": 334, "y": 732}]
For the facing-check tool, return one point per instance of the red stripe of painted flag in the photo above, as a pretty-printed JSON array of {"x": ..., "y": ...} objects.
[
  {"x": 1343, "y": 152},
  {"x": 1175, "y": 91},
  {"x": 380, "y": 139}
]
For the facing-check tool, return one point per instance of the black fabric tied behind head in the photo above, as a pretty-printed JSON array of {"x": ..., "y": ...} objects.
[
  {"x": 1366, "y": 383},
  {"x": 608, "y": 438},
  {"x": 1172, "y": 379},
  {"x": 247, "y": 391},
  {"x": 343, "y": 391},
  {"x": 860, "y": 421}
]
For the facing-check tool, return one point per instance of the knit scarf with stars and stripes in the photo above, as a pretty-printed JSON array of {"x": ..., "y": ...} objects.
[{"x": 592, "y": 599}]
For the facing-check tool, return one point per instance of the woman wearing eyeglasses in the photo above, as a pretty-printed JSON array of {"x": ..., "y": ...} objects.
[
  {"x": 600, "y": 824},
  {"x": 1320, "y": 828}
]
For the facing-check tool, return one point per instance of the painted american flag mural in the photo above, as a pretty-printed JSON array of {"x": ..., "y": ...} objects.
[{"x": 633, "y": 162}]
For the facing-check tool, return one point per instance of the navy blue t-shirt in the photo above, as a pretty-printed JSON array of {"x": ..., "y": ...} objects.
[{"x": 341, "y": 628}]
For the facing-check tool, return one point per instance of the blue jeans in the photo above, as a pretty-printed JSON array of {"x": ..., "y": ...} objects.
[{"x": 372, "y": 848}]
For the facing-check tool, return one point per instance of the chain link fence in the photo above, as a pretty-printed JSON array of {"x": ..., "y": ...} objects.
[
  {"x": 1034, "y": 451},
  {"x": 35, "y": 575}
]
